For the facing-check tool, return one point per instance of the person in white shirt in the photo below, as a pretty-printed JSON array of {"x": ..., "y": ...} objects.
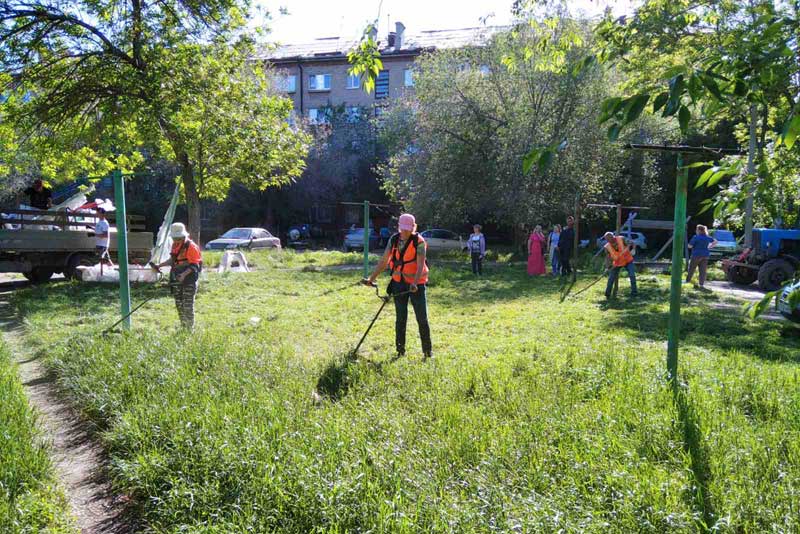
[
  {"x": 477, "y": 249},
  {"x": 101, "y": 238}
]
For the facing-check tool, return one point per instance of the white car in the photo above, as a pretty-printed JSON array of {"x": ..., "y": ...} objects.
[
  {"x": 637, "y": 238},
  {"x": 443, "y": 240},
  {"x": 250, "y": 238}
]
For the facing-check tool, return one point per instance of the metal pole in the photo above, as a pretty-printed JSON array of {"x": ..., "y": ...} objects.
[
  {"x": 619, "y": 228},
  {"x": 366, "y": 238},
  {"x": 122, "y": 249},
  {"x": 677, "y": 270},
  {"x": 577, "y": 241}
]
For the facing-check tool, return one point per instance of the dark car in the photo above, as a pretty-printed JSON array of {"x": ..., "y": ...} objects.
[{"x": 354, "y": 239}]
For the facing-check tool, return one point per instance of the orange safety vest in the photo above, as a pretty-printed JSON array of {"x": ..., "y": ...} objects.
[
  {"x": 621, "y": 255},
  {"x": 405, "y": 269}
]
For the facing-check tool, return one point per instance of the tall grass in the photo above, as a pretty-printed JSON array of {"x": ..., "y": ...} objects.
[
  {"x": 29, "y": 501},
  {"x": 533, "y": 416}
]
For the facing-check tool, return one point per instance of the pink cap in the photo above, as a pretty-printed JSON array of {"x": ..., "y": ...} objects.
[{"x": 406, "y": 222}]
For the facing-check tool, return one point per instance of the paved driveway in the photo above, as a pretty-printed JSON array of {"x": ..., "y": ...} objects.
[{"x": 742, "y": 294}]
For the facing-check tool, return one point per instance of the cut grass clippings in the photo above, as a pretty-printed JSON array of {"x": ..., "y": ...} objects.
[
  {"x": 29, "y": 499},
  {"x": 533, "y": 416}
]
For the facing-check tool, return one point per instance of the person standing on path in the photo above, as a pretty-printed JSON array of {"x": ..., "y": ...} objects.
[
  {"x": 620, "y": 255},
  {"x": 700, "y": 244},
  {"x": 102, "y": 232},
  {"x": 405, "y": 257},
  {"x": 536, "y": 244},
  {"x": 186, "y": 262},
  {"x": 552, "y": 249},
  {"x": 477, "y": 249},
  {"x": 565, "y": 244}
]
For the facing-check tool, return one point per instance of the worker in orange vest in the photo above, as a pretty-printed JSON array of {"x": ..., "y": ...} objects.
[
  {"x": 620, "y": 255},
  {"x": 405, "y": 257},
  {"x": 186, "y": 262}
]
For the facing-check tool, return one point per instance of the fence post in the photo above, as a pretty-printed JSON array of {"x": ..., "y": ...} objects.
[
  {"x": 366, "y": 238},
  {"x": 676, "y": 270},
  {"x": 122, "y": 249}
]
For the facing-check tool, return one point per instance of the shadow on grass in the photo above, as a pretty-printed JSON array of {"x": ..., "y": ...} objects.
[
  {"x": 704, "y": 326},
  {"x": 698, "y": 494},
  {"x": 337, "y": 377}
]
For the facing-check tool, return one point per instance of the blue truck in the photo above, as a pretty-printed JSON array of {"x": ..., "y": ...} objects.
[{"x": 772, "y": 259}]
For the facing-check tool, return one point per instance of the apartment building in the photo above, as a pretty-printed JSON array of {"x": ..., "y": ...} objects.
[{"x": 315, "y": 74}]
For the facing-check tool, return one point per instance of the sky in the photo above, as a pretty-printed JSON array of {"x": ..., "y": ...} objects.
[{"x": 309, "y": 19}]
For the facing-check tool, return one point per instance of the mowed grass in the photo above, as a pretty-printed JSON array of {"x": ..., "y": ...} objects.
[
  {"x": 535, "y": 415},
  {"x": 29, "y": 499}
]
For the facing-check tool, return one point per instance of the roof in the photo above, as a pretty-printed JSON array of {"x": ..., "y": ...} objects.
[{"x": 413, "y": 43}]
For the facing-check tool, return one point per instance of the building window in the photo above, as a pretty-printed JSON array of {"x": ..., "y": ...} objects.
[
  {"x": 382, "y": 85},
  {"x": 485, "y": 70},
  {"x": 318, "y": 116},
  {"x": 353, "y": 81},
  {"x": 287, "y": 84},
  {"x": 408, "y": 78},
  {"x": 319, "y": 82}
]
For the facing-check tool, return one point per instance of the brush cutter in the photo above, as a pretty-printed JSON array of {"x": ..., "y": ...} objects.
[{"x": 385, "y": 299}]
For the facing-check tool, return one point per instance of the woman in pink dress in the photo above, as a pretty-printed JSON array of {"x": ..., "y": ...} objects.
[{"x": 536, "y": 252}]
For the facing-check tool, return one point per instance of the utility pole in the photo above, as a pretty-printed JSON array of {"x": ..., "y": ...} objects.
[
  {"x": 366, "y": 238},
  {"x": 679, "y": 232},
  {"x": 122, "y": 249}
]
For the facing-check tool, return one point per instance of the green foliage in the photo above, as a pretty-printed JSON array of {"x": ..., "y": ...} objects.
[
  {"x": 708, "y": 62},
  {"x": 29, "y": 499},
  {"x": 97, "y": 82},
  {"x": 556, "y": 417},
  {"x": 365, "y": 59},
  {"x": 456, "y": 145}
]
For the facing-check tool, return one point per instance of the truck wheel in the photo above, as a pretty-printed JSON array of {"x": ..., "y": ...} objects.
[
  {"x": 38, "y": 275},
  {"x": 741, "y": 275},
  {"x": 75, "y": 261},
  {"x": 774, "y": 273}
]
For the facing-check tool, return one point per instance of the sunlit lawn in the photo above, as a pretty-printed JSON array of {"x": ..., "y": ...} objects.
[{"x": 535, "y": 415}]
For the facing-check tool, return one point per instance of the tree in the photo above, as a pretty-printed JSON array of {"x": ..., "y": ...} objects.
[
  {"x": 457, "y": 144},
  {"x": 705, "y": 61},
  {"x": 103, "y": 78}
]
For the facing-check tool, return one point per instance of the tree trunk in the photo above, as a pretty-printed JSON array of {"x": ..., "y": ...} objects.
[
  {"x": 187, "y": 177},
  {"x": 192, "y": 196},
  {"x": 751, "y": 170}
]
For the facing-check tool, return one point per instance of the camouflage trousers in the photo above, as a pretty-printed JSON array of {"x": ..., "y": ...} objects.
[{"x": 184, "y": 302}]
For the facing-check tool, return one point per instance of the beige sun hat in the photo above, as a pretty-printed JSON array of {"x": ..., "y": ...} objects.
[{"x": 178, "y": 231}]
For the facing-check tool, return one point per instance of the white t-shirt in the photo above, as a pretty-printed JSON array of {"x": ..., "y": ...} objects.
[{"x": 101, "y": 228}]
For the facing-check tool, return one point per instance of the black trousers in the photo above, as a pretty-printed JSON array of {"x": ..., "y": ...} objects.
[
  {"x": 566, "y": 268},
  {"x": 477, "y": 263},
  {"x": 420, "y": 304}
]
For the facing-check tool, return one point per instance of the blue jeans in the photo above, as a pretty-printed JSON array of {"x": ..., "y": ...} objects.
[
  {"x": 420, "y": 304},
  {"x": 613, "y": 276},
  {"x": 555, "y": 264}
]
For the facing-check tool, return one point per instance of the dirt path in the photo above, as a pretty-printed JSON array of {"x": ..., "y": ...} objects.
[
  {"x": 76, "y": 454},
  {"x": 737, "y": 295}
]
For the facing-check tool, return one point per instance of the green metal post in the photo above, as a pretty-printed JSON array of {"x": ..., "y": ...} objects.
[
  {"x": 677, "y": 270},
  {"x": 122, "y": 249},
  {"x": 366, "y": 238}
]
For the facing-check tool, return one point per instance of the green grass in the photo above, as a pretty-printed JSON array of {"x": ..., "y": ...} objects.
[
  {"x": 535, "y": 415},
  {"x": 29, "y": 500}
]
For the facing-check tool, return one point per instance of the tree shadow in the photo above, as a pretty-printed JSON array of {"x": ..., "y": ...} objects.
[
  {"x": 704, "y": 326},
  {"x": 698, "y": 494}
]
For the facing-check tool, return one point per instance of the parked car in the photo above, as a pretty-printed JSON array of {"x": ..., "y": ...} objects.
[
  {"x": 785, "y": 304},
  {"x": 637, "y": 238},
  {"x": 299, "y": 236},
  {"x": 354, "y": 239},
  {"x": 442, "y": 240},
  {"x": 251, "y": 238},
  {"x": 726, "y": 244}
]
